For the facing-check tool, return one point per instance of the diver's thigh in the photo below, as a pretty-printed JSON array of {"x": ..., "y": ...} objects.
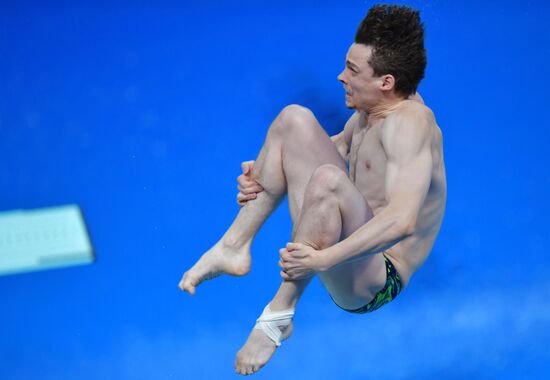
[
  {"x": 355, "y": 283},
  {"x": 306, "y": 146}
]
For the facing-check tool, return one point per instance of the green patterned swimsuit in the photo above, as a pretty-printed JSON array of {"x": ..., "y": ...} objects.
[{"x": 388, "y": 293}]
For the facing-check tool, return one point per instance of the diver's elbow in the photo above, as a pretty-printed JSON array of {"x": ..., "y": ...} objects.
[{"x": 406, "y": 227}]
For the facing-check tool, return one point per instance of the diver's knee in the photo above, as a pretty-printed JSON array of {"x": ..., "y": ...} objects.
[
  {"x": 297, "y": 122},
  {"x": 327, "y": 178},
  {"x": 324, "y": 187}
]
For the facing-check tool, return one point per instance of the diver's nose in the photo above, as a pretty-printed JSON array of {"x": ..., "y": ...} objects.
[{"x": 340, "y": 77}]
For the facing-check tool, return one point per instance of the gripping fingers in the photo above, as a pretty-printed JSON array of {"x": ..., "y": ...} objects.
[
  {"x": 242, "y": 199},
  {"x": 285, "y": 276},
  {"x": 243, "y": 180},
  {"x": 246, "y": 166},
  {"x": 251, "y": 188}
]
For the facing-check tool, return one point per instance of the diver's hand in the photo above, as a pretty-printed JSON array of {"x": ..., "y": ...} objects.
[
  {"x": 299, "y": 261},
  {"x": 248, "y": 188}
]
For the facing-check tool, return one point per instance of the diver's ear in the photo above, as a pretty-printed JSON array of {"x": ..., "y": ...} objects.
[{"x": 387, "y": 82}]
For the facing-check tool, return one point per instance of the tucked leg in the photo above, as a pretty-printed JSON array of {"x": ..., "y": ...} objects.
[
  {"x": 295, "y": 146},
  {"x": 332, "y": 209}
]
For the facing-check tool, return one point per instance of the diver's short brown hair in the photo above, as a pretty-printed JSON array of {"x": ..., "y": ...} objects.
[{"x": 396, "y": 36}]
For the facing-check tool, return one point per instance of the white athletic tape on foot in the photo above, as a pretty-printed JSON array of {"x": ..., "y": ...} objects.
[{"x": 271, "y": 321}]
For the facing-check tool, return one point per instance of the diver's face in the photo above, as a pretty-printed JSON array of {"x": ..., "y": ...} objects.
[{"x": 361, "y": 86}]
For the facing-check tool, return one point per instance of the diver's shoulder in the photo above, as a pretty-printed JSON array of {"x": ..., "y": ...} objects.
[
  {"x": 411, "y": 108},
  {"x": 410, "y": 117}
]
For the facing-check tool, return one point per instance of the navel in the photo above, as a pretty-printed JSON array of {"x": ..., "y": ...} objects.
[{"x": 367, "y": 164}]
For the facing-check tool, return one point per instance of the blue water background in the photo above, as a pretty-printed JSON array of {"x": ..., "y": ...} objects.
[{"x": 141, "y": 113}]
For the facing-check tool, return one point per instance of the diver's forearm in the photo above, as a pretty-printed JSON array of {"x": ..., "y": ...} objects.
[{"x": 379, "y": 234}]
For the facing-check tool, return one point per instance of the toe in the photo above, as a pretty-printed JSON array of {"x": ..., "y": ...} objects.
[
  {"x": 184, "y": 280},
  {"x": 187, "y": 287},
  {"x": 239, "y": 366},
  {"x": 190, "y": 289},
  {"x": 186, "y": 284}
]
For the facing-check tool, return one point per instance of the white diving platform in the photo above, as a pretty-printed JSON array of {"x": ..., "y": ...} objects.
[{"x": 45, "y": 238}]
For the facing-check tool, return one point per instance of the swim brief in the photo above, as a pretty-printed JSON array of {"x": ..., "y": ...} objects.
[{"x": 388, "y": 293}]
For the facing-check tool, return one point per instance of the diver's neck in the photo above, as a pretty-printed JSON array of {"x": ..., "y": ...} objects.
[{"x": 381, "y": 110}]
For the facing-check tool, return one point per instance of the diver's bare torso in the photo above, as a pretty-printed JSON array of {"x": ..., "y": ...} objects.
[{"x": 367, "y": 169}]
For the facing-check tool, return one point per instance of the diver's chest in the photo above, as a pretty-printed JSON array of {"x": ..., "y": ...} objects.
[{"x": 367, "y": 156}]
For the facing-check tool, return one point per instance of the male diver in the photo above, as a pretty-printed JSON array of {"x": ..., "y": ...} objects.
[{"x": 366, "y": 204}]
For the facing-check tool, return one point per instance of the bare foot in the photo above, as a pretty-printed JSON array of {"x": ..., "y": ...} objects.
[
  {"x": 257, "y": 351},
  {"x": 220, "y": 259}
]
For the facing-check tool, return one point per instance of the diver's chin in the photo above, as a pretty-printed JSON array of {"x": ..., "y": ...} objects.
[
  {"x": 349, "y": 102},
  {"x": 350, "y": 105}
]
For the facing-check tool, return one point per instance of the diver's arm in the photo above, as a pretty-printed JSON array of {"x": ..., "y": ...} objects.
[{"x": 406, "y": 139}]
